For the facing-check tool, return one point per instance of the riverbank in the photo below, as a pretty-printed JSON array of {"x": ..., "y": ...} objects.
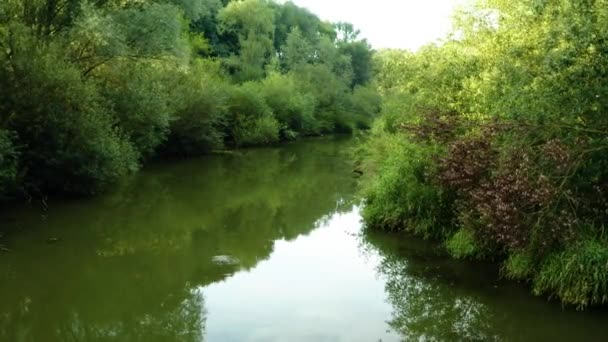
[
  {"x": 494, "y": 143},
  {"x": 240, "y": 246},
  {"x": 80, "y": 111}
]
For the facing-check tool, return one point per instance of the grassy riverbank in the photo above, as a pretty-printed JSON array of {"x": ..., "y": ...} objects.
[{"x": 495, "y": 143}]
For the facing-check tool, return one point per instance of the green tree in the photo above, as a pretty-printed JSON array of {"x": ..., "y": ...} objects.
[
  {"x": 253, "y": 22},
  {"x": 297, "y": 50}
]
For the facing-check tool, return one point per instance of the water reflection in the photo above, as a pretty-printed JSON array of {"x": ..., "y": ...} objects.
[
  {"x": 318, "y": 287},
  {"x": 258, "y": 245},
  {"x": 435, "y": 298},
  {"x": 129, "y": 266}
]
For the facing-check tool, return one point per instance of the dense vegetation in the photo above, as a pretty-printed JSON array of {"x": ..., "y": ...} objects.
[
  {"x": 90, "y": 90},
  {"x": 496, "y": 141}
]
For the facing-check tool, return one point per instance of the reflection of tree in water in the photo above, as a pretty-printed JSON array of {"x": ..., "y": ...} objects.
[
  {"x": 427, "y": 305},
  {"x": 424, "y": 310},
  {"x": 131, "y": 262},
  {"x": 436, "y": 298},
  {"x": 182, "y": 322},
  {"x": 185, "y": 322}
]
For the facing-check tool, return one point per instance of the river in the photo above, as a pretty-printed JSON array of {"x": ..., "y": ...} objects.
[{"x": 256, "y": 245}]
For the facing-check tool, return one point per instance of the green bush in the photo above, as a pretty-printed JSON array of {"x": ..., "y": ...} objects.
[
  {"x": 516, "y": 105},
  {"x": 97, "y": 88},
  {"x": 292, "y": 108},
  {"x": 329, "y": 92},
  {"x": 519, "y": 265},
  {"x": 71, "y": 142},
  {"x": 250, "y": 119},
  {"x": 403, "y": 197},
  {"x": 140, "y": 100},
  {"x": 578, "y": 275},
  {"x": 462, "y": 244},
  {"x": 365, "y": 105},
  {"x": 259, "y": 131},
  {"x": 199, "y": 98}
]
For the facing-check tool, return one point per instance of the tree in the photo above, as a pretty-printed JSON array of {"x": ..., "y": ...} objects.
[
  {"x": 297, "y": 50},
  {"x": 289, "y": 17},
  {"x": 346, "y": 32},
  {"x": 360, "y": 53},
  {"x": 253, "y": 22}
]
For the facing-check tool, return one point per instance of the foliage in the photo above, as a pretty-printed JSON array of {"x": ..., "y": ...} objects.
[
  {"x": 403, "y": 195},
  {"x": 512, "y": 101},
  {"x": 199, "y": 99},
  {"x": 89, "y": 90},
  {"x": 253, "y": 22},
  {"x": 462, "y": 244},
  {"x": 72, "y": 143},
  {"x": 141, "y": 102},
  {"x": 251, "y": 120},
  {"x": 577, "y": 275},
  {"x": 294, "y": 109},
  {"x": 519, "y": 265},
  {"x": 365, "y": 105}
]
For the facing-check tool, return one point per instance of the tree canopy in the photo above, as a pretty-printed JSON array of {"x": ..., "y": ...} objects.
[{"x": 90, "y": 90}]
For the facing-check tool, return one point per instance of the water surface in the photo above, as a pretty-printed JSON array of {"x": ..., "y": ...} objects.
[{"x": 257, "y": 245}]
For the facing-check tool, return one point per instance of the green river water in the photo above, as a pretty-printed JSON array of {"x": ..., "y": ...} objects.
[{"x": 257, "y": 245}]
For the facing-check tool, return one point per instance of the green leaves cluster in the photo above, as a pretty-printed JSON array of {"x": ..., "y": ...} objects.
[
  {"x": 512, "y": 108},
  {"x": 90, "y": 90}
]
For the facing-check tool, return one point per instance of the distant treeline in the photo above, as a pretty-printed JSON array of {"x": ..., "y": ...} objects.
[
  {"x": 496, "y": 143},
  {"x": 90, "y": 90}
]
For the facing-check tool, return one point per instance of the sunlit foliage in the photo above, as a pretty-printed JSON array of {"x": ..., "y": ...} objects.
[
  {"x": 90, "y": 90},
  {"x": 504, "y": 125}
]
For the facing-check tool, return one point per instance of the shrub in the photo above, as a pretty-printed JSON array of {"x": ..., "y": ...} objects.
[
  {"x": 365, "y": 104},
  {"x": 199, "y": 97},
  {"x": 250, "y": 120},
  {"x": 259, "y": 131},
  {"x": 292, "y": 108},
  {"x": 578, "y": 275},
  {"x": 141, "y": 104},
  {"x": 519, "y": 265},
  {"x": 462, "y": 244},
  {"x": 70, "y": 140},
  {"x": 329, "y": 93},
  {"x": 403, "y": 196}
]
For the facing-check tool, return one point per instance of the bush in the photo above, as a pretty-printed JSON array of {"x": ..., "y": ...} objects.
[
  {"x": 70, "y": 140},
  {"x": 403, "y": 196},
  {"x": 521, "y": 119},
  {"x": 329, "y": 92},
  {"x": 462, "y": 244},
  {"x": 250, "y": 119},
  {"x": 578, "y": 275},
  {"x": 199, "y": 98},
  {"x": 292, "y": 108},
  {"x": 141, "y": 104},
  {"x": 519, "y": 265},
  {"x": 260, "y": 131},
  {"x": 365, "y": 105}
]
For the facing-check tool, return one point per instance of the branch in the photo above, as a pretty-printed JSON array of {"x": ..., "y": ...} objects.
[{"x": 95, "y": 65}]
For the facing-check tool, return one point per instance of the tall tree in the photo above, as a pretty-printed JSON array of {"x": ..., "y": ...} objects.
[{"x": 253, "y": 22}]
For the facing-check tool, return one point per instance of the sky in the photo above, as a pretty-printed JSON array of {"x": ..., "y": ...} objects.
[{"x": 402, "y": 24}]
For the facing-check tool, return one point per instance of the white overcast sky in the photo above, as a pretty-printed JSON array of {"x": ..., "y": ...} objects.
[{"x": 404, "y": 24}]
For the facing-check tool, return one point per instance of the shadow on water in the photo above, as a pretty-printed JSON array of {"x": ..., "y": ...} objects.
[
  {"x": 127, "y": 265},
  {"x": 436, "y": 298}
]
